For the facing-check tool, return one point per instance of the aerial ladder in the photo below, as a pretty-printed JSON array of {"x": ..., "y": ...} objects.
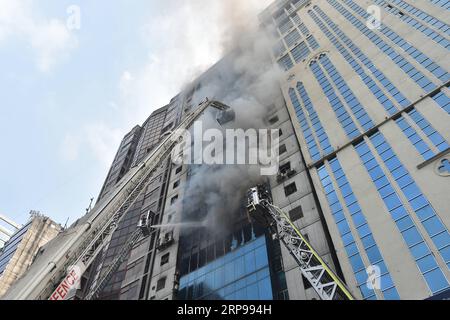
[
  {"x": 142, "y": 231},
  {"x": 70, "y": 259},
  {"x": 324, "y": 281}
]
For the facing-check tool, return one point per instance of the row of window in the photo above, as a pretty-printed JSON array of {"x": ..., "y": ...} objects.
[
  {"x": 341, "y": 112},
  {"x": 361, "y": 225},
  {"x": 312, "y": 129},
  {"x": 441, "y": 3},
  {"x": 415, "y": 139},
  {"x": 442, "y": 99},
  {"x": 315, "y": 121},
  {"x": 301, "y": 50},
  {"x": 376, "y": 90},
  {"x": 365, "y": 61},
  {"x": 397, "y": 58},
  {"x": 435, "y": 36},
  {"x": 353, "y": 102},
  {"x": 422, "y": 15},
  {"x": 434, "y": 136},
  {"x": 401, "y": 215},
  {"x": 304, "y": 125},
  {"x": 416, "y": 54}
]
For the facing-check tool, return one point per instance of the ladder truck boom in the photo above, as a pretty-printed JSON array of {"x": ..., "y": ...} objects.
[
  {"x": 143, "y": 230},
  {"x": 324, "y": 281},
  {"x": 81, "y": 243}
]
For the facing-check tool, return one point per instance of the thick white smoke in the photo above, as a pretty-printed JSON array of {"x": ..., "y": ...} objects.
[{"x": 247, "y": 81}]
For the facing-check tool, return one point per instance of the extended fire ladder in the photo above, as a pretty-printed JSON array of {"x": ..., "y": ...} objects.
[
  {"x": 123, "y": 197},
  {"x": 327, "y": 284},
  {"x": 142, "y": 231}
]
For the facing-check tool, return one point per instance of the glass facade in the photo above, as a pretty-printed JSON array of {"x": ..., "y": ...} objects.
[
  {"x": 242, "y": 274},
  {"x": 397, "y": 57},
  {"x": 11, "y": 247},
  {"x": 401, "y": 214},
  {"x": 355, "y": 60},
  {"x": 351, "y": 207},
  {"x": 406, "y": 13},
  {"x": 335, "y": 101}
]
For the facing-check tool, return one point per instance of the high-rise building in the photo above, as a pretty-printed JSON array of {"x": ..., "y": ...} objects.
[
  {"x": 359, "y": 92},
  {"x": 239, "y": 260},
  {"x": 23, "y": 246},
  {"x": 370, "y": 107}
]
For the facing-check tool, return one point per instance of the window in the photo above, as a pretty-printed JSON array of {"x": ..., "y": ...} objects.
[
  {"x": 178, "y": 170},
  {"x": 290, "y": 189},
  {"x": 280, "y": 132},
  {"x": 273, "y": 120},
  {"x": 282, "y": 149},
  {"x": 176, "y": 184},
  {"x": 296, "y": 213},
  {"x": 285, "y": 168},
  {"x": 161, "y": 284},
  {"x": 165, "y": 259},
  {"x": 174, "y": 199}
]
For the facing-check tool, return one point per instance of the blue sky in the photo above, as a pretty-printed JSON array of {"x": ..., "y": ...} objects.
[{"x": 68, "y": 96}]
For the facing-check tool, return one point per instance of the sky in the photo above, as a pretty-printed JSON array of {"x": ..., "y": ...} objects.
[{"x": 75, "y": 76}]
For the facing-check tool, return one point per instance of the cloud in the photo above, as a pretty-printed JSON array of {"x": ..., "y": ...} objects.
[{"x": 49, "y": 39}]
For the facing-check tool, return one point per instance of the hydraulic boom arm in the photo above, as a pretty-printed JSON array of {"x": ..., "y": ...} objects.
[{"x": 327, "y": 284}]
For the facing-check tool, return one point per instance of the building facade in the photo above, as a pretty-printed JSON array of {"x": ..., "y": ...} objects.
[
  {"x": 370, "y": 107},
  {"x": 363, "y": 115},
  {"x": 23, "y": 246}
]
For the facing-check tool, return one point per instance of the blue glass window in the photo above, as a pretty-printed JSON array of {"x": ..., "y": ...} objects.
[
  {"x": 442, "y": 100},
  {"x": 339, "y": 109},
  {"x": 407, "y": 67},
  {"x": 359, "y": 222},
  {"x": 242, "y": 274},
  {"x": 414, "y": 240}
]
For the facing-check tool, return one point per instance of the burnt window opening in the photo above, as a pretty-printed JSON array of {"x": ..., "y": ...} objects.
[
  {"x": 285, "y": 167},
  {"x": 296, "y": 213},
  {"x": 178, "y": 170},
  {"x": 161, "y": 284},
  {"x": 174, "y": 199},
  {"x": 165, "y": 259},
  {"x": 282, "y": 149},
  {"x": 176, "y": 184},
  {"x": 290, "y": 189},
  {"x": 274, "y": 120}
]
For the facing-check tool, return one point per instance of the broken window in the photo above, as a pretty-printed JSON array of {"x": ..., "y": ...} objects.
[
  {"x": 161, "y": 284},
  {"x": 296, "y": 213},
  {"x": 290, "y": 189},
  {"x": 285, "y": 168},
  {"x": 165, "y": 259}
]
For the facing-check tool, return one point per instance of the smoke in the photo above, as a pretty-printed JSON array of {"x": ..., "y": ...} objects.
[{"x": 247, "y": 81}]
